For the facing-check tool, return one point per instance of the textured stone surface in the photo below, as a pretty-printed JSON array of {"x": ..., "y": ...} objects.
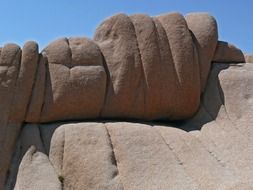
[
  {"x": 9, "y": 68},
  {"x": 119, "y": 74},
  {"x": 36, "y": 172},
  {"x": 29, "y": 136},
  {"x": 25, "y": 81},
  {"x": 165, "y": 68},
  {"x": 227, "y": 53},
  {"x": 75, "y": 78},
  {"x": 210, "y": 151},
  {"x": 205, "y": 36},
  {"x": 117, "y": 40},
  {"x": 140, "y": 52},
  {"x": 9, "y": 65},
  {"x": 37, "y": 97},
  {"x": 213, "y": 150},
  {"x": 185, "y": 100},
  {"x": 144, "y": 160},
  {"x": 95, "y": 169}
]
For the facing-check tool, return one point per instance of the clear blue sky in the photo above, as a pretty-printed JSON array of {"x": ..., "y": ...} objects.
[{"x": 46, "y": 20}]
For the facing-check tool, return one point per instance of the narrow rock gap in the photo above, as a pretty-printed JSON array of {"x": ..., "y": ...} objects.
[
  {"x": 61, "y": 175},
  {"x": 11, "y": 176},
  {"x": 171, "y": 56},
  {"x": 142, "y": 69},
  {"x": 45, "y": 84},
  {"x": 162, "y": 63},
  {"x": 63, "y": 147},
  {"x": 108, "y": 80},
  {"x": 69, "y": 65},
  {"x": 34, "y": 79},
  {"x": 196, "y": 50},
  {"x": 42, "y": 139},
  {"x": 113, "y": 157}
]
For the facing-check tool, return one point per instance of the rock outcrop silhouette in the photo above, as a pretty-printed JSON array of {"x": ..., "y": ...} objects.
[{"x": 149, "y": 103}]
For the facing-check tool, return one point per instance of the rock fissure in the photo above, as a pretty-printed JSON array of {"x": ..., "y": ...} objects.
[
  {"x": 47, "y": 75},
  {"x": 113, "y": 156},
  {"x": 144, "y": 88},
  {"x": 108, "y": 80},
  {"x": 179, "y": 161},
  {"x": 32, "y": 90}
]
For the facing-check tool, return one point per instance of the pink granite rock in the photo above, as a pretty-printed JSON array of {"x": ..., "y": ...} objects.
[{"x": 140, "y": 68}]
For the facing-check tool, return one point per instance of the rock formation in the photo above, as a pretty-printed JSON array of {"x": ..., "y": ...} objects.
[{"x": 149, "y": 103}]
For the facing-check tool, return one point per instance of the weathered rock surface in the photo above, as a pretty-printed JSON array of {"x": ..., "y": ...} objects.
[
  {"x": 25, "y": 81},
  {"x": 212, "y": 150},
  {"x": 36, "y": 172},
  {"x": 186, "y": 95},
  {"x": 97, "y": 169},
  {"x": 9, "y": 68},
  {"x": 228, "y": 53},
  {"x": 75, "y": 78},
  {"x": 165, "y": 68},
  {"x": 38, "y": 93},
  {"x": 117, "y": 40},
  {"x": 205, "y": 36}
]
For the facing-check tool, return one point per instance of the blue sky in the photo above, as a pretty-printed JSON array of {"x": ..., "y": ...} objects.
[{"x": 46, "y": 20}]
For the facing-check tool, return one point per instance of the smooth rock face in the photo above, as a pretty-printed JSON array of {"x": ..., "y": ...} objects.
[{"x": 165, "y": 68}]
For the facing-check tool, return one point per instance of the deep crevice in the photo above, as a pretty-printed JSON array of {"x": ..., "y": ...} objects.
[
  {"x": 34, "y": 79},
  {"x": 142, "y": 68},
  {"x": 41, "y": 139},
  {"x": 47, "y": 75},
  {"x": 113, "y": 157},
  {"x": 108, "y": 81}
]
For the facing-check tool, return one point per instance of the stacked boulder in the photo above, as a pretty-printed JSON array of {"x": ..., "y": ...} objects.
[{"x": 137, "y": 67}]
